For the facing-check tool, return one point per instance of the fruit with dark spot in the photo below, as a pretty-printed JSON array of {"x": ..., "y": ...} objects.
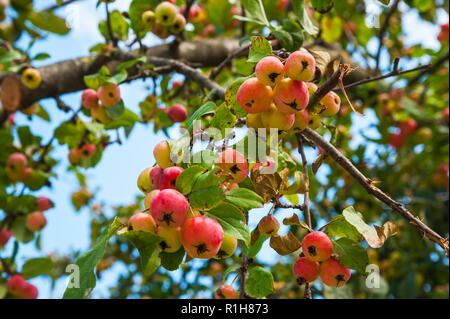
[
  {"x": 89, "y": 98},
  {"x": 268, "y": 226},
  {"x": 88, "y": 150},
  {"x": 165, "y": 14},
  {"x": 143, "y": 182},
  {"x": 169, "y": 208},
  {"x": 317, "y": 246},
  {"x": 99, "y": 114},
  {"x": 254, "y": 96},
  {"x": 171, "y": 236},
  {"x": 269, "y": 71},
  {"x": 202, "y": 237},
  {"x": 332, "y": 103},
  {"x": 169, "y": 177},
  {"x": 36, "y": 221},
  {"x": 306, "y": 270},
  {"x": 15, "y": 166},
  {"x": 301, "y": 66},
  {"x": 301, "y": 120},
  {"x": 142, "y": 222},
  {"x": 291, "y": 96},
  {"x": 314, "y": 121},
  {"x": 109, "y": 94},
  {"x": 155, "y": 176},
  {"x": 225, "y": 292},
  {"x": 334, "y": 274},
  {"x": 228, "y": 247},
  {"x": 148, "y": 17},
  {"x": 233, "y": 164},
  {"x": 178, "y": 25},
  {"x": 31, "y": 78}
]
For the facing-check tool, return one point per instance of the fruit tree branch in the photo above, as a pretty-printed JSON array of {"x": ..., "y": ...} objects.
[
  {"x": 383, "y": 31},
  {"x": 373, "y": 190}
]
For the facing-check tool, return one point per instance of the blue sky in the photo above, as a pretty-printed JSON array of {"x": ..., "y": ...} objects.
[{"x": 114, "y": 178}]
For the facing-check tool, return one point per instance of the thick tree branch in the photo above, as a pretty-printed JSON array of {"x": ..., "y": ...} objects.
[{"x": 375, "y": 191}]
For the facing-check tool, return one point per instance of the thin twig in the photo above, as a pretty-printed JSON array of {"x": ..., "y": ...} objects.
[{"x": 383, "y": 31}]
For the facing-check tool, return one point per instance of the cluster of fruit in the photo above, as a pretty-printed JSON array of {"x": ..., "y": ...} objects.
[
  {"x": 279, "y": 95},
  {"x": 165, "y": 20},
  {"x": 18, "y": 170},
  {"x": 108, "y": 95},
  {"x": 318, "y": 260},
  {"x": 17, "y": 287}
]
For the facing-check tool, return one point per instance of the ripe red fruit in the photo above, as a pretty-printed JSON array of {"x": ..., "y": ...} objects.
[
  {"x": 169, "y": 208},
  {"x": 306, "y": 270},
  {"x": 291, "y": 96},
  {"x": 31, "y": 292},
  {"x": 74, "y": 156},
  {"x": 269, "y": 71},
  {"x": 87, "y": 150},
  {"x": 254, "y": 96},
  {"x": 225, "y": 292},
  {"x": 155, "y": 176},
  {"x": 109, "y": 94},
  {"x": 44, "y": 203},
  {"x": 89, "y": 98},
  {"x": 169, "y": 177},
  {"x": 317, "y": 246},
  {"x": 334, "y": 274},
  {"x": 36, "y": 221},
  {"x": 268, "y": 226},
  {"x": 443, "y": 35},
  {"x": 177, "y": 113},
  {"x": 445, "y": 114},
  {"x": 143, "y": 222},
  {"x": 408, "y": 127},
  {"x": 5, "y": 235},
  {"x": 202, "y": 237},
  {"x": 233, "y": 164},
  {"x": 16, "y": 285},
  {"x": 15, "y": 166},
  {"x": 300, "y": 66},
  {"x": 397, "y": 141}
]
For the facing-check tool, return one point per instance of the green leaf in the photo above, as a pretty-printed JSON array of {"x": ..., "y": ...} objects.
[
  {"x": 323, "y": 6},
  {"x": 128, "y": 64},
  {"x": 260, "y": 49},
  {"x": 290, "y": 36},
  {"x": 21, "y": 232},
  {"x": 230, "y": 97},
  {"x": 254, "y": 249},
  {"x": 118, "y": 78},
  {"x": 115, "y": 111},
  {"x": 351, "y": 254},
  {"x": 187, "y": 178},
  {"x": 146, "y": 243},
  {"x": 41, "y": 56},
  {"x": 223, "y": 119},
  {"x": 171, "y": 261},
  {"x": 36, "y": 267},
  {"x": 232, "y": 221},
  {"x": 244, "y": 198},
  {"x": 207, "y": 108},
  {"x": 255, "y": 10},
  {"x": 206, "y": 198},
  {"x": 302, "y": 14},
  {"x": 48, "y": 21},
  {"x": 259, "y": 282},
  {"x": 87, "y": 263},
  {"x": 339, "y": 227},
  {"x": 70, "y": 134},
  {"x": 127, "y": 119}
]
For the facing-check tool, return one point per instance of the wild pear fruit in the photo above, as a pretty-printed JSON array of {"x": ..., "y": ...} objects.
[
  {"x": 254, "y": 96},
  {"x": 233, "y": 164},
  {"x": 317, "y": 246},
  {"x": 300, "y": 66},
  {"x": 334, "y": 274},
  {"x": 291, "y": 96},
  {"x": 306, "y": 270},
  {"x": 169, "y": 208},
  {"x": 202, "y": 237},
  {"x": 269, "y": 71}
]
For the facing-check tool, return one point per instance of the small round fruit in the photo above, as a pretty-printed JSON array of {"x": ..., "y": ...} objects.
[
  {"x": 178, "y": 25},
  {"x": 169, "y": 208},
  {"x": 149, "y": 198},
  {"x": 169, "y": 177},
  {"x": 74, "y": 156},
  {"x": 291, "y": 96},
  {"x": 36, "y": 221},
  {"x": 317, "y": 246},
  {"x": 109, "y": 94},
  {"x": 30, "y": 292},
  {"x": 155, "y": 176},
  {"x": 99, "y": 114},
  {"x": 143, "y": 182},
  {"x": 274, "y": 118},
  {"x": 254, "y": 96},
  {"x": 148, "y": 17},
  {"x": 142, "y": 222},
  {"x": 161, "y": 152},
  {"x": 15, "y": 166},
  {"x": 16, "y": 285},
  {"x": 301, "y": 120},
  {"x": 44, "y": 203},
  {"x": 31, "y": 78},
  {"x": 269, "y": 71},
  {"x": 300, "y": 66},
  {"x": 5, "y": 235},
  {"x": 268, "y": 226},
  {"x": 89, "y": 98},
  {"x": 233, "y": 164},
  {"x": 408, "y": 127},
  {"x": 254, "y": 121},
  {"x": 314, "y": 121},
  {"x": 225, "y": 292},
  {"x": 202, "y": 237},
  {"x": 334, "y": 274},
  {"x": 228, "y": 247},
  {"x": 165, "y": 14},
  {"x": 88, "y": 150},
  {"x": 171, "y": 236},
  {"x": 397, "y": 141},
  {"x": 332, "y": 103},
  {"x": 306, "y": 270},
  {"x": 177, "y": 113}
]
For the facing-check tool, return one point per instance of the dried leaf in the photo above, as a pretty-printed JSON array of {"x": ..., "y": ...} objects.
[
  {"x": 269, "y": 186},
  {"x": 293, "y": 220},
  {"x": 387, "y": 230},
  {"x": 323, "y": 59},
  {"x": 255, "y": 236},
  {"x": 285, "y": 245}
]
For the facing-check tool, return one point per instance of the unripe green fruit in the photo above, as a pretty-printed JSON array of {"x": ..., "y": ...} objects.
[
  {"x": 161, "y": 152},
  {"x": 228, "y": 247},
  {"x": 291, "y": 96},
  {"x": 178, "y": 25},
  {"x": 142, "y": 222},
  {"x": 31, "y": 78},
  {"x": 334, "y": 274},
  {"x": 300, "y": 66},
  {"x": 317, "y": 246},
  {"x": 314, "y": 121},
  {"x": 273, "y": 118},
  {"x": 254, "y": 121},
  {"x": 225, "y": 292},
  {"x": 99, "y": 114},
  {"x": 36, "y": 221},
  {"x": 301, "y": 120},
  {"x": 202, "y": 237},
  {"x": 148, "y": 17},
  {"x": 165, "y": 14},
  {"x": 233, "y": 165},
  {"x": 254, "y": 96},
  {"x": 143, "y": 182},
  {"x": 268, "y": 226},
  {"x": 269, "y": 71},
  {"x": 306, "y": 270},
  {"x": 171, "y": 236}
]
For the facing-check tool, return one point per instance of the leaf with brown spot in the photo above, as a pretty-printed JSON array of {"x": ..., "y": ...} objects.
[
  {"x": 11, "y": 93},
  {"x": 285, "y": 245},
  {"x": 269, "y": 186},
  {"x": 293, "y": 220},
  {"x": 388, "y": 229}
]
